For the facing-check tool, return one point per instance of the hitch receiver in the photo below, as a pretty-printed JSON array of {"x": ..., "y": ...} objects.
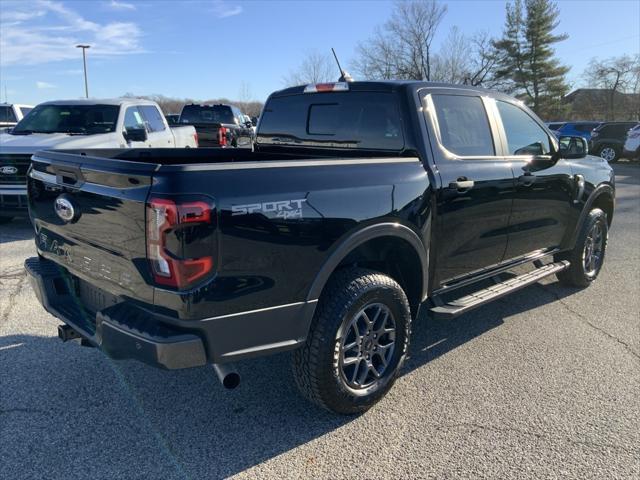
[{"x": 66, "y": 333}]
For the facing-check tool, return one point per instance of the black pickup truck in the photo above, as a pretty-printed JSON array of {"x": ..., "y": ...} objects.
[
  {"x": 218, "y": 125},
  {"x": 362, "y": 204}
]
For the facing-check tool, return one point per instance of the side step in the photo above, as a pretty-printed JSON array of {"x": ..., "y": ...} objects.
[{"x": 464, "y": 304}]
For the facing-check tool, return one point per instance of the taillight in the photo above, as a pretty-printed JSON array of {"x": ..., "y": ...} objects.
[
  {"x": 165, "y": 216},
  {"x": 222, "y": 136},
  {"x": 195, "y": 137}
]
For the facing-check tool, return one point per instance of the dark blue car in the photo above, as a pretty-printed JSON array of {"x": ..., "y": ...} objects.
[{"x": 574, "y": 129}]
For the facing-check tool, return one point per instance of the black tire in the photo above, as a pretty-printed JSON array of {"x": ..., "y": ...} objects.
[
  {"x": 5, "y": 220},
  {"x": 582, "y": 273},
  {"x": 320, "y": 368}
]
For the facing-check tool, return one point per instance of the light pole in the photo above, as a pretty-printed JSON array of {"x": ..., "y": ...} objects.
[{"x": 84, "y": 62}]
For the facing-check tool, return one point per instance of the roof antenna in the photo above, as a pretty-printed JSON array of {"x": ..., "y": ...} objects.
[{"x": 344, "y": 75}]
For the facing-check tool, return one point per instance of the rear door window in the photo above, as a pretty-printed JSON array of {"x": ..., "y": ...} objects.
[
  {"x": 350, "y": 120},
  {"x": 463, "y": 124},
  {"x": 152, "y": 116},
  {"x": 524, "y": 135}
]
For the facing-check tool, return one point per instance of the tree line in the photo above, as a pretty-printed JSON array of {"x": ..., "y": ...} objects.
[{"x": 521, "y": 61}]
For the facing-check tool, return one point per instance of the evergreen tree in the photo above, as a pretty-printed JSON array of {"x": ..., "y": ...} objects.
[{"x": 527, "y": 59}]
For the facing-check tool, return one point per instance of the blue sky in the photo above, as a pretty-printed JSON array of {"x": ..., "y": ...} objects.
[{"x": 211, "y": 48}]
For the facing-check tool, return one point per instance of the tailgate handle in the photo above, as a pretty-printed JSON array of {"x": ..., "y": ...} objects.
[{"x": 66, "y": 177}]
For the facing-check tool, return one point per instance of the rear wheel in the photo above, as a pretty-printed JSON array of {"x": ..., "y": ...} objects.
[
  {"x": 610, "y": 153},
  {"x": 357, "y": 343},
  {"x": 587, "y": 257}
]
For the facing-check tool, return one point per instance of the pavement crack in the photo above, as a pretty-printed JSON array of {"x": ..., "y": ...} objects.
[
  {"x": 11, "y": 302},
  {"x": 588, "y": 322},
  {"x": 541, "y": 436}
]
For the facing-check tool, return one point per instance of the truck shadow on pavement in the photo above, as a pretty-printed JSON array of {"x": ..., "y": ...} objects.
[
  {"x": 74, "y": 412},
  {"x": 17, "y": 229}
]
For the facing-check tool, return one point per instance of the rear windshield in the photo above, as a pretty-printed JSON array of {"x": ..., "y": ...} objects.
[
  {"x": 6, "y": 114},
  {"x": 206, "y": 114},
  {"x": 76, "y": 119},
  {"x": 354, "y": 120}
]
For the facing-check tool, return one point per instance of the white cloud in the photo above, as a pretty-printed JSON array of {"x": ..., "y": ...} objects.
[
  {"x": 55, "y": 29},
  {"x": 115, "y": 5},
  {"x": 223, "y": 10},
  {"x": 44, "y": 85}
]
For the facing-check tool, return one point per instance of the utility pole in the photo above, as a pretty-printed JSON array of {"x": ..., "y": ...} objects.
[{"x": 84, "y": 62}]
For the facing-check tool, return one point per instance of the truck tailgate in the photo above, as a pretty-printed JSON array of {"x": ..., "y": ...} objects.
[{"x": 89, "y": 216}]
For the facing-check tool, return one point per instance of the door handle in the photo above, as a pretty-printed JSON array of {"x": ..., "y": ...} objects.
[
  {"x": 462, "y": 184},
  {"x": 527, "y": 179}
]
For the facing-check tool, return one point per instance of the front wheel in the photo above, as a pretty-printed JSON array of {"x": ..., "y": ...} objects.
[
  {"x": 357, "y": 343},
  {"x": 587, "y": 257}
]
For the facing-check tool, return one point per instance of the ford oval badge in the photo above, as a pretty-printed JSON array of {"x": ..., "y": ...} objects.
[
  {"x": 64, "y": 208},
  {"x": 8, "y": 170}
]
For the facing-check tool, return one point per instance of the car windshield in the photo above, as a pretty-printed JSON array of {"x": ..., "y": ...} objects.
[
  {"x": 72, "y": 119},
  {"x": 206, "y": 114}
]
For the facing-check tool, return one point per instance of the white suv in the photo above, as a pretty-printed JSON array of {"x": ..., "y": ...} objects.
[{"x": 631, "y": 148}]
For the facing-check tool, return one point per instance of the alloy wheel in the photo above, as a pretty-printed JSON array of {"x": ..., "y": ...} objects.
[
  {"x": 608, "y": 153},
  {"x": 593, "y": 250},
  {"x": 367, "y": 346}
]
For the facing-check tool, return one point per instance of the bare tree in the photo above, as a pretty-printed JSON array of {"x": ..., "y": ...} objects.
[
  {"x": 452, "y": 63},
  {"x": 483, "y": 62},
  {"x": 466, "y": 60},
  {"x": 401, "y": 48},
  {"x": 315, "y": 68},
  {"x": 616, "y": 75}
]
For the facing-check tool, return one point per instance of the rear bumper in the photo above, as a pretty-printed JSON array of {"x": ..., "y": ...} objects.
[
  {"x": 13, "y": 201},
  {"x": 125, "y": 330},
  {"x": 120, "y": 331}
]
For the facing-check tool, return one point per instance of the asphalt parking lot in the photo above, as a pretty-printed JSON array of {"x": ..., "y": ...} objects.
[{"x": 542, "y": 384}]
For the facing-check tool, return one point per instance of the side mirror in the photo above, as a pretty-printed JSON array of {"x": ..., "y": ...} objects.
[
  {"x": 136, "y": 135},
  {"x": 248, "y": 124},
  {"x": 572, "y": 147}
]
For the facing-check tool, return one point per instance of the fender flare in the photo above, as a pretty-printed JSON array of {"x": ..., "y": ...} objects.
[
  {"x": 363, "y": 235},
  {"x": 603, "y": 189}
]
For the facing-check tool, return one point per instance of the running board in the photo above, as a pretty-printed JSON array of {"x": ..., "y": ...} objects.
[{"x": 464, "y": 304}]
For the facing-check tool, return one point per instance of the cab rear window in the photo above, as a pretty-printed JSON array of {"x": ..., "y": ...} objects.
[{"x": 353, "y": 120}]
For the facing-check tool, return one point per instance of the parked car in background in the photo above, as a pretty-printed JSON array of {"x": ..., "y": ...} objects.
[
  {"x": 631, "y": 148},
  {"x": 554, "y": 126},
  {"x": 172, "y": 118},
  {"x": 67, "y": 124},
  {"x": 607, "y": 140},
  {"x": 248, "y": 121},
  {"x": 12, "y": 113},
  {"x": 577, "y": 129},
  {"x": 360, "y": 205},
  {"x": 218, "y": 125}
]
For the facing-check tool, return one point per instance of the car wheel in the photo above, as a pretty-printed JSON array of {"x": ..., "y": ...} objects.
[
  {"x": 609, "y": 153},
  {"x": 587, "y": 257},
  {"x": 357, "y": 343},
  {"x": 5, "y": 220}
]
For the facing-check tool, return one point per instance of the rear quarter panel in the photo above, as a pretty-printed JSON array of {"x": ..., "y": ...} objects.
[{"x": 272, "y": 244}]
